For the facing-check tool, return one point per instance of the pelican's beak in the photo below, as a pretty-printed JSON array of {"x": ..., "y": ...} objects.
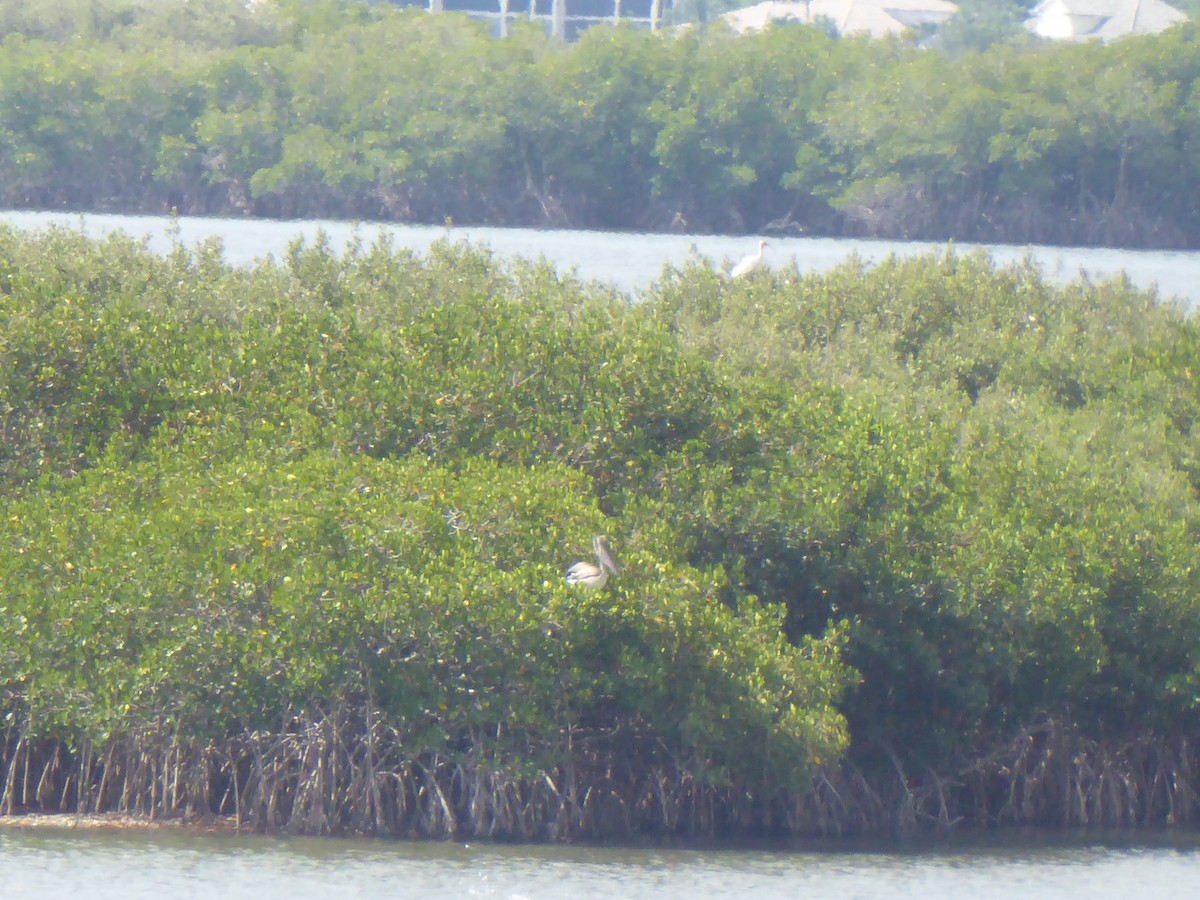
[{"x": 605, "y": 556}]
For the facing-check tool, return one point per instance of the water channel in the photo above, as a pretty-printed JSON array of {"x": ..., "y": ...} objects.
[
  {"x": 131, "y": 865},
  {"x": 629, "y": 261}
]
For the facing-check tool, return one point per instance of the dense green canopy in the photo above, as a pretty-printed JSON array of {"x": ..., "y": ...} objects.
[{"x": 288, "y": 542}]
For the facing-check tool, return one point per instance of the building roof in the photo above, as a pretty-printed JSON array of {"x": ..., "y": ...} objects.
[
  {"x": 873, "y": 17},
  {"x": 1102, "y": 19}
]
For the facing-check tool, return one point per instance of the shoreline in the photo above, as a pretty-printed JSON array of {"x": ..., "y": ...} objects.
[
  {"x": 1184, "y": 838},
  {"x": 67, "y": 821}
]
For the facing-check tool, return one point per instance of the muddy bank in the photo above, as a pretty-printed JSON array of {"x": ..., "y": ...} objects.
[{"x": 118, "y": 822}]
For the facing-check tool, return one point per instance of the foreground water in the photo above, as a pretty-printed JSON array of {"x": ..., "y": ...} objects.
[
  {"x": 130, "y": 865},
  {"x": 631, "y": 262}
]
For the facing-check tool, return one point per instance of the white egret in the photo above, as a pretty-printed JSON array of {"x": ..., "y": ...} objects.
[
  {"x": 751, "y": 263},
  {"x": 595, "y": 576}
]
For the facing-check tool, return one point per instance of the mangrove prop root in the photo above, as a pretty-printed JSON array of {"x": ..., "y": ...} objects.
[{"x": 340, "y": 773}]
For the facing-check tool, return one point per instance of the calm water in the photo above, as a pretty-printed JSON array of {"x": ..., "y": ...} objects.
[
  {"x": 131, "y": 865},
  {"x": 629, "y": 261}
]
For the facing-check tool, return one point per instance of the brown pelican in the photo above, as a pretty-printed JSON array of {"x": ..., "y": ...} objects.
[
  {"x": 595, "y": 576},
  {"x": 751, "y": 263}
]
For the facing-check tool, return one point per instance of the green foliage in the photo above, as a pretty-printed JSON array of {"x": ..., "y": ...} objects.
[
  {"x": 585, "y": 137},
  {"x": 736, "y": 115},
  {"x": 204, "y": 592},
  {"x": 367, "y": 484},
  {"x": 907, "y": 512},
  {"x": 995, "y": 485},
  {"x": 980, "y": 24}
]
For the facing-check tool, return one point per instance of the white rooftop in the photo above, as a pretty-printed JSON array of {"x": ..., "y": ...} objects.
[
  {"x": 872, "y": 17},
  {"x": 1106, "y": 20}
]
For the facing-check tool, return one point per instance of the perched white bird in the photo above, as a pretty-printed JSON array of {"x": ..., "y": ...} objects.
[
  {"x": 751, "y": 263},
  {"x": 595, "y": 576}
]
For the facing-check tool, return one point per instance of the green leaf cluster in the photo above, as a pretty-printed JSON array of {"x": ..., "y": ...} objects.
[
  {"x": 897, "y": 513},
  {"x": 995, "y": 484},
  {"x": 235, "y": 496}
]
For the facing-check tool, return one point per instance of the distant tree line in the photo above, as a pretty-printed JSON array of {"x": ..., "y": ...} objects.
[{"x": 341, "y": 109}]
